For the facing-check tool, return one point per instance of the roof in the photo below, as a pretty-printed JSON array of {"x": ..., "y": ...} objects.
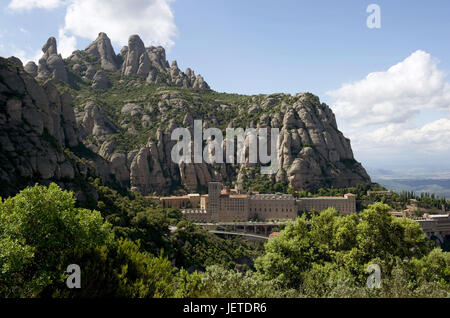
[
  {"x": 324, "y": 198},
  {"x": 238, "y": 196},
  {"x": 185, "y": 197},
  {"x": 438, "y": 216},
  {"x": 277, "y": 196}
]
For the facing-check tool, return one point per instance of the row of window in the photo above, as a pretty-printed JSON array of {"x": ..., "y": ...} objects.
[{"x": 270, "y": 210}]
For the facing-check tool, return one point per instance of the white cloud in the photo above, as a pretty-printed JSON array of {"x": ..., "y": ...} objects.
[
  {"x": 152, "y": 20},
  {"x": 396, "y": 95},
  {"x": 26, "y": 57},
  {"x": 431, "y": 138},
  {"x": 22, "y": 5},
  {"x": 66, "y": 44},
  {"x": 389, "y": 112}
]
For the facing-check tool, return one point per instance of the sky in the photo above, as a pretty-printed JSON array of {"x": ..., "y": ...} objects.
[{"x": 389, "y": 86}]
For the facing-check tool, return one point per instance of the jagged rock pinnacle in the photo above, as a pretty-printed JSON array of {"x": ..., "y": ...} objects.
[
  {"x": 102, "y": 49},
  {"x": 51, "y": 65}
]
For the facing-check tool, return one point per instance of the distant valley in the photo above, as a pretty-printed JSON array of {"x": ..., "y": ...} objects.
[{"x": 425, "y": 181}]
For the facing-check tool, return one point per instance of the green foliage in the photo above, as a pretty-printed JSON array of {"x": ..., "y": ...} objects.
[
  {"x": 194, "y": 247},
  {"x": 137, "y": 218},
  {"x": 348, "y": 244},
  {"x": 219, "y": 282},
  {"x": 41, "y": 231},
  {"x": 122, "y": 271},
  {"x": 252, "y": 179}
]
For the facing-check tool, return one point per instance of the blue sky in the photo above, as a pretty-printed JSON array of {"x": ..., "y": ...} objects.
[{"x": 291, "y": 46}]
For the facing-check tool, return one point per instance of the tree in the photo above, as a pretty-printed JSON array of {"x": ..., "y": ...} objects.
[
  {"x": 121, "y": 270},
  {"x": 288, "y": 256},
  {"x": 41, "y": 233},
  {"x": 219, "y": 282},
  {"x": 348, "y": 242}
]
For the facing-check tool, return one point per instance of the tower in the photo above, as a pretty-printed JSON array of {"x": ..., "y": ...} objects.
[
  {"x": 214, "y": 191},
  {"x": 239, "y": 188}
]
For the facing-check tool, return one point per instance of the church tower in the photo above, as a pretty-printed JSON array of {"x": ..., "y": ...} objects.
[{"x": 214, "y": 192}]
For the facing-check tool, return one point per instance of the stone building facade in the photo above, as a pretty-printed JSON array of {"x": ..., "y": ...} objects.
[
  {"x": 233, "y": 206},
  {"x": 272, "y": 206},
  {"x": 345, "y": 205},
  {"x": 437, "y": 226},
  {"x": 181, "y": 202}
]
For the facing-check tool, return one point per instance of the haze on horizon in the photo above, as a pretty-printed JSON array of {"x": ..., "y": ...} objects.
[{"x": 388, "y": 87}]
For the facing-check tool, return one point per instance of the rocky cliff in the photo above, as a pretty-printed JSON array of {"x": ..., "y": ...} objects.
[
  {"x": 125, "y": 107},
  {"x": 38, "y": 129}
]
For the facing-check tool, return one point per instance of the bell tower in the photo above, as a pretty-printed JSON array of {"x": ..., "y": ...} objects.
[{"x": 214, "y": 192}]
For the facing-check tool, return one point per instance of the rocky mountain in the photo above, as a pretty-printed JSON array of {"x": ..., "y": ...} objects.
[
  {"x": 123, "y": 108},
  {"x": 39, "y": 134}
]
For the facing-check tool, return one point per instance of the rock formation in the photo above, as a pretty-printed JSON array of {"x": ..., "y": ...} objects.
[
  {"x": 102, "y": 49},
  {"x": 100, "y": 81},
  {"x": 151, "y": 64},
  {"x": 51, "y": 65},
  {"x": 93, "y": 122},
  {"x": 134, "y": 60},
  {"x": 128, "y": 121},
  {"x": 31, "y": 68},
  {"x": 36, "y": 124}
]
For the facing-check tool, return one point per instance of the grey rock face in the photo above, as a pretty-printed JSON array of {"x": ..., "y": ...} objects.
[
  {"x": 132, "y": 109},
  {"x": 51, "y": 65},
  {"x": 119, "y": 167},
  {"x": 90, "y": 73},
  {"x": 135, "y": 61},
  {"x": 31, "y": 68},
  {"x": 200, "y": 83},
  {"x": 77, "y": 68},
  {"x": 100, "y": 81},
  {"x": 103, "y": 50},
  {"x": 35, "y": 126},
  {"x": 151, "y": 64},
  {"x": 157, "y": 56},
  {"x": 92, "y": 121}
]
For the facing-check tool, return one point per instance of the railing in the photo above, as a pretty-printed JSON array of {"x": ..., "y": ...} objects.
[{"x": 260, "y": 237}]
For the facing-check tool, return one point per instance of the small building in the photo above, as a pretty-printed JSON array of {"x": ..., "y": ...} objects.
[
  {"x": 181, "y": 202},
  {"x": 435, "y": 225}
]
